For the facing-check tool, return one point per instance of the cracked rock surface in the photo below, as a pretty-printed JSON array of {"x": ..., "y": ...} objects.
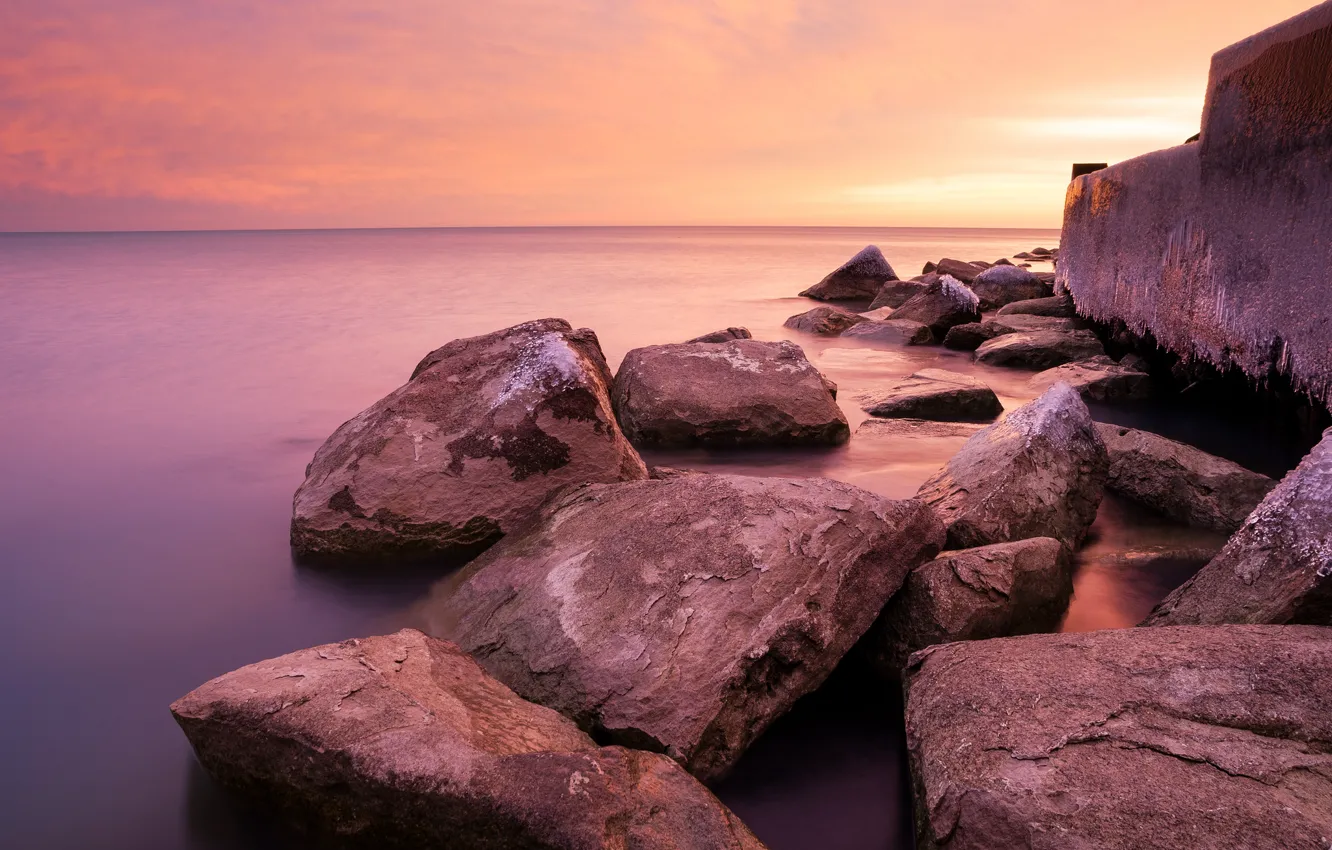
[
  {"x": 404, "y": 741},
  {"x": 1198, "y": 738},
  {"x": 684, "y": 615},
  {"x": 484, "y": 431}
]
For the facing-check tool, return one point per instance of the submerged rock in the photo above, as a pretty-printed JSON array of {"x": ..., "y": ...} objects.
[
  {"x": 742, "y": 392},
  {"x": 891, "y": 330},
  {"x": 404, "y": 741},
  {"x": 941, "y": 305},
  {"x": 725, "y": 335},
  {"x": 858, "y": 279},
  {"x": 895, "y": 293},
  {"x": 486, "y": 428},
  {"x": 1278, "y": 567},
  {"x": 1179, "y": 481},
  {"x": 824, "y": 320},
  {"x": 1056, "y": 305},
  {"x": 915, "y": 430},
  {"x": 1124, "y": 739},
  {"x": 974, "y": 594},
  {"x": 685, "y": 615},
  {"x": 1098, "y": 379},
  {"x": 1039, "y": 349},
  {"x": 1039, "y": 472},
  {"x": 934, "y": 394},
  {"x": 1002, "y": 285},
  {"x": 959, "y": 269}
]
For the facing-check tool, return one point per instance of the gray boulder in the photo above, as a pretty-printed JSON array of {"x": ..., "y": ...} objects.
[
  {"x": 1179, "y": 481},
  {"x": 1002, "y": 285},
  {"x": 742, "y": 392},
  {"x": 1060, "y": 306},
  {"x": 1174, "y": 739},
  {"x": 858, "y": 279},
  {"x": 824, "y": 320},
  {"x": 1278, "y": 567},
  {"x": 1039, "y": 472},
  {"x": 895, "y": 293},
  {"x": 684, "y": 615},
  {"x": 1098, "y": 379},
  {"x": 934, "y": 394},
  {"x": 941, "y": 305},
  {"x": 403, "y": 741},
  {"x": 891, "y": 330},
  {"x": 1039, "y": 349},
  {"x": 484, "y": 431},
  {"x": 724, "y": 335}
]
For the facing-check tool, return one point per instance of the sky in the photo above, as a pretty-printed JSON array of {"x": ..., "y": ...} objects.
[{"x": 222, "y": 114}]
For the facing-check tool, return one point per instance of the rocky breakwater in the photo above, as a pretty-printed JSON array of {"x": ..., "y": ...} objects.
[{"x": 484, "y": 431}]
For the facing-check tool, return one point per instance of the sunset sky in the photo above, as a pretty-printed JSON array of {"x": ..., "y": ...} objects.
[{"x": 153, "y": 114}]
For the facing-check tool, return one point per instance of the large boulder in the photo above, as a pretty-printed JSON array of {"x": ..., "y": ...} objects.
[
  {"x": 991, "y": 591},
  {"x": 1002, "y": 285},
  {"x": 724, "y": 335},
  {"x": 1098, "y": 379},
  {"x": 1278, "y": 567},
  {"x": 858, "y": 279},
  {"x": 1060, "y": 306},
  {"x": 891, "y": 330},
  {"x": 941, "y": 305},
  {"x": 484, "y": 431},
  {"x": 824, "y": 320},
  {"x": 895, "y": 293},
  {"x": 1039, "y": 472},
  {"x": 684, "y": 615},
  {"x": 960, "y": 269},
  {"x": 742, "y": 392},
  {"x": 404, "y": 741},
  {"x": 1175, "y": 739},
  {"x": 1039, "y": 349},
  {"x": 934, "y": 394},
  {"x": 1179, "y": 481},
  {"x": 973, "y": 335}
]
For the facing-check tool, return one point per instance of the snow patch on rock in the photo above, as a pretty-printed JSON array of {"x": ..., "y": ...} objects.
[{"x": 959, "y": 293}]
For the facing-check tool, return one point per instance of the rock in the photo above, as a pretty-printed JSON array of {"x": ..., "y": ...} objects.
[
  {"x": 1135, "y": 363},
  {"x": 1173, "y": 739},
  {"x": 859, "y": 278},
  {"x": 934, "y": 394},
  {"x": 1039, "y": 349},
  {"x": 895, "y": 293},
  {"x": 929, "y": 267},
  {"x": 1039, "y": 472},
  {"x": 1097, "y": 379},
  {"x": 1179, "y": 481},
  {"x": 1055, "y": 305},
  {"x": 878, "y": 314},
  {"x": 683, "y": 616},
  {"x": 1002, "y": 285},
  {"x": 973, "y": 335},
  {"x": 484, "y": 431},
  {"x": 1278, "y": 567},
  {"x": 981, "y": 264},
  {"x": 960, "y": 269},
  {"x": 1003, "y": 261},
  {"x": 991, "y": 591},
  {"x": 1041, "y": 252},
  {"x": 941, "y": 305},
  {"x": 824, "y": 320},
  {"x": 892, "y": 330},
  {"x": 1022, "y": 255},
  {"x": 403, "y": 741},
  {"x": 970, "y": 336},
  {"x": 915, "y": 430},
  {"x": 725, "y": 335},
  {"x": 742, "y": 392}
]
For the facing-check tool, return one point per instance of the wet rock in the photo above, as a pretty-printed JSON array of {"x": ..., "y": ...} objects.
[
  {"x": 895, "y": 293},
  {"x": 1179, "y": 481},
  {"x": 486, "y": 428},
  {"x": 403, "y": 741},
  {"x": 973, "y": 335},
  {"x": 1041, "y": 252},
  {"x": 941, "y": 305},
  {"x": 724, "y": 335},
  {"x": 859, "y": 278},
  {"x": 1039, "y": 472},
  {"x": 1003, "y": 261},
  {"x": 685, "y": 615},
  {"x": 1098, "y": 379},
  {"x": 970, "y": 336},
  {"x": 914, "y": 430},
  {"x": 1039, "y": 349},
  {"x": 742, "y": 392},
  {"x": 878, "y": 314},
  {"x": 991, "y": 591},
  {"x": 1056, "y": 305},
  {"x": 1002, "y": 285},
  {"x": 934, "y": 394},
  {"x": 1278, "y": 567},
  {"x": 960, "y": 269},
  {"x": 929, "y": 267},
  {"x": 1123, "y": 739},
  {"x": 824, "y": 320},
  {"x": 891, "y": 330}
]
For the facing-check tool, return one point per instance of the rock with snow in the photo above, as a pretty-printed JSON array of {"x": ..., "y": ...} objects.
[
  {"x": 959, "y": 269},
  {"x": 895, "y": 293},
  {"x": 824, "y": 320},
  {"x": 404, "y": 741},
  {"x": 1278, "y": 567},
  {"x": 1098, "y": 379},
  {"x": 858, "y": 279},
  {"x": 683, "y": 616},
  {"x": 742, "y": 392},
  {"x": 1039, "y": 472},
  {"x": 484, "y": 431},
  {"x": 1039, "y": 350},
  {"x": 1002, "y": 285},
  {"x": 724, "y": 335},
  {"x": 941, "y": 305},
  {"x": 897, "y": 330},
  {"x": 1061, "y": 306},
  {"x": 934, "y": 394}
]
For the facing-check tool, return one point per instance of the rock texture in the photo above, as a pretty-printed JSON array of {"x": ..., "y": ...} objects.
[
  {"x": 895, "y": 293},
  {"x": 1002, "y": 285},
  {"x": 960, "y": 269},
  {"x": 891, "y": 330},
  {"x": 987, "y": 592},
  {"x": 934, "y": 394},
  {"x": 1059, "y": 306},
  {"x": 684, "y": 615},
  {"x": 403, "y": 741},
  {"x": 742, "y": 392},
  {"x": 858, "y": 279},
  {"x": 973, "y": 335},
  {"x": 725, "y": 335},
  {"x": 1179, "y": 481},
  {"x": 941, "y": 305},
  {"x": 1174, "y": 739},
  {"x": 1278, "y": 567},
  {"x": 486, "y": 428},
  {"x": 1098, "y": 379},
  {"x": 824, "y": 320},
  {"x": 1039, "y": 349},
  {"x": 1039, "y": 472}
]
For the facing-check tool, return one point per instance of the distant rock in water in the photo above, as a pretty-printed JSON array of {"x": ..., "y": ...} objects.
[
  {"x": 824, "y": 320},
  {"x": 404, "y": 741},
  {"x": 934, "y": 394},
  {"x": 742, "y": 392},
  {"x": 941, "y": 305},
  {"x": 891, "y": 330},
  {"x": 1002, "y": 285},
  {"x": 1056, "y": 305},
  {"x": 484, "y": 431},
  {"x": 724, "y": 335},
  {"x": 858, "y": 279}
]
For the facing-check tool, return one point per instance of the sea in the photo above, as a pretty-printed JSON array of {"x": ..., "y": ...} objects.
[{"x": 161, "y": 394}]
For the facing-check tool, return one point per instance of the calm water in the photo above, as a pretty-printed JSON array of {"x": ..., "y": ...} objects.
[{"x": 162, "y": 393}]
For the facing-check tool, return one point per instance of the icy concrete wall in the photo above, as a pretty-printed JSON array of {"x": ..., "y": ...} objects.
[{"x": 1223, "y": 248}]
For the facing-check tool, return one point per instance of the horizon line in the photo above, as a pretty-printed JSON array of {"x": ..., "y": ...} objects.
[{"x": 148, "y": 231}]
